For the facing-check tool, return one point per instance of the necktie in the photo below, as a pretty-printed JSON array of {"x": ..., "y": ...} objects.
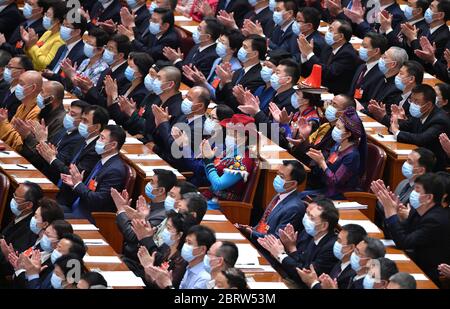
[
  {"x": 63, "y": 55},
  {"x": 262, "y": 224},
  {"x": 330, "y": 58},
  {"x": 404, "y": 190},
  {"x": 361, "y": 76},
  {"x": 76, "y": 205},
  {"x": 73, "y": 161},
  {"x": 240, "y": 75}
]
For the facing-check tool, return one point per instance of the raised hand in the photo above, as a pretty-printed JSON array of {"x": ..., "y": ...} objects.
[
  {"x": 161, "y": 115},
  {"x": 427, "y": 50},
  {"x": 145, "y": 258},
  {"x": 308, "y": 276},
  {"x": 142, "y": 228},
  {"x": 223, "y": 71},
  {"x": 251, "y": 104},
  {"x": 206, "y": 151},
  {"x": 127, "y": 19},
  {"x": 127, "y": 106},
  {"x": 288, "y": 237},
  {"x": 172, "y": 54},
  {"x": 227, "y": 19},
  {"x": 445, "y": 143},
  {"x": 304, "y": 46}
]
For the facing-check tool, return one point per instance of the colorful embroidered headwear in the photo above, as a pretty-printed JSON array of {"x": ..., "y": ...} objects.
[
  {"x": 352, "y": 122},
  {"x": 240, "y": 122}
]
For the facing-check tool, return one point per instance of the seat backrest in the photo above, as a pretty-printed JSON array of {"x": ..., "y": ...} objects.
[
  {"x": 130, "y": 180},
  {"x": 106, "y": 223},
  {"x": 186, "y": 40},
  {"x": 252, "y": 183},
  {"x": 376, "y": 161},
  {"x": 4, "y": 189}
]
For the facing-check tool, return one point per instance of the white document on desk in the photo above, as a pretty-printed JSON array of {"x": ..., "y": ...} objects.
[
  {"x": 275, "y": 161},
  {"x": 149, "y": 169},
  {"x": 101, "y": 259},
  {"x": 388, "y": 242},
  {"x": 190, "y": 29},
  {"x": 121, "y": 278},
  {"x": 132, "y": 141},
  {"x": 247, "y": 255},
  {"x": 419, "y": 277},
  {"x": 18, "y": 167},
  {"x": 396, "y": 257},
  {"x": 373, "y": 125},
  {"x": 273, "y": 147},
  {"x": 95, "y": 242},
  {"x": 229, "y": 236},
  {"x": 267, "y": 285},
  {"x": 384, "y": 138},
  {"x": 143, "y": 157},
  {"x": 366, "y": 224},
  {"x": 218, "y": 218},
  {"x": 35, "y": 180},
  {"x": 326, "y": 96},
  {"x": 84, "y": 227},
  {"x": 182, "y": 18},
  {"x": 9, "y": 154},
  {"x": 349, "y": 205},
  {"x": 403, "y": 152}
]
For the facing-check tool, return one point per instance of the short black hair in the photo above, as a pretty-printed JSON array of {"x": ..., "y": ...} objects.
[
  {"x": 82, "y": 24},
  {"x": 444, "y": 6},
  {"x": 445, "y": 93},
  {"x": 291, "y": 69},
  {"x": 404, "y": 280},
  {"x": 166, "y": 16},
  {"x": 50, "y": 211},
  {"x": 185, "y": 187},
  {"x": 276, "y": 55},
  {"x": 427, "y": 159},
  {"x": 204, "y": 235},
  {"x": 79, "y": 103},
  {"x": 445, "y": 179},
  {"x": 355, "y": 233},
  {"x": 432, "y": 184},
  {"x": 100, "y": 35},
  {"x": 116, "y": 134},
  {"x": 213, "y": 27},
  {"x": 259, "y": 44},
  {"x": 349, "y": 101},
  {"x": 4, "y": 58},
  {"x": 66, "y": 263},
  {"x": 196, "y": 203},
  {"x": 388, "y": 268},
  {"x": 415, "y": 69},
  {"x": 229, "y": 252},
  {"x": 298, "y": 172},
  {"x": 77, "y": 245},
  {"x": 94, "y": 278},
  {"x": 235, "y": 39},
  {"x": 166, "y": 179},
  {"x": 182, "y": 222},
  {"x": 345, "y": 28},
  {"x": 423, "y": 4},
  {"x": 100, "y": 115},
  {"x": 378, "y": 41},
  {"x": 291, "y": 5},
  {"x": 143, "y": 61},
  {"x": 123, "y": 44},
  {"x": 375, "y": 248},
  {"x": 59, "y": 9},
  {"x": 311, "y": 16},
  {"x": 25, "y": 62},
  {"x": 329, "y": 212},
  {"x": 235, "y": 278},
  {"x": 62, "y": 227},
  {"x": 223, "y": 111},
  {"x": 172, "y": 4},
  {"x": 428, "y": 92},
  {"x": 34, "y": 193}
]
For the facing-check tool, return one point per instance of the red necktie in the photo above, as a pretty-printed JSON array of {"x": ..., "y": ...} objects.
[{"x": 262, "y": 226}]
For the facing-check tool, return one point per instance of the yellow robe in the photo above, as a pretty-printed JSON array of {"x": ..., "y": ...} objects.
[
  {"x": 43, "y": 52},
  {"x": 7, "y": 132}
]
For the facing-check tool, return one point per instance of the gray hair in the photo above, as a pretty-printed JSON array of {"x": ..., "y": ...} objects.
[
  {"x": 404, "y": 280},
  {"x": 399, "y": 55},
  {"x": 375, "y": 248}
]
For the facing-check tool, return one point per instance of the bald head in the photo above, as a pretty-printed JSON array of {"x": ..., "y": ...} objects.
[
  {"x": 31, "y": 81},
  {"x": 53, "y": 90},
  {"x": 200, "y": 97}
]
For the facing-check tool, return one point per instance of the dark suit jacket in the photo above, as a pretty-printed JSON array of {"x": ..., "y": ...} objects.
[
  {"x": 112, "y": 175},
  {"x": 319, "y": 46},
  {"x": 10, "y": 102},
  {"x": 369, "y": 83},
  {"x": 320, "y": 255},
  {"x": 10, "y": 17},
  {"x": 439, "y": 37},
  {"x": 148, "y": 43},
  {"x": 281, "y": 39},
  {"x": 202, "y": 60},
  {"x": 388, "y": 93},
  {"x": 343, "y": 277},
  {"x": 290, "y": 210},
  {"x": 396, "y": 38},
  {"x": 426, "y": 238},
  {"x": 20, "y": 234},
  {"x": 10, "y": 45},
  {"x": 238, "y": 7},
  {"x": 98, "y": 13},
  {"x": 251, "y": 80},
  {"x": 412, "y": 131},
  {"x": 76, "y": 55},
  {"x": 265, "y": 17},
  {"x": 337, "y": 72},
  {"x": 357, "y": 284},
  {"x": 142, "y": 18},
  {"x": 137, "y": 95},
  {"x": 43, "y": 282},
  {"x": 135, "y": 124}
]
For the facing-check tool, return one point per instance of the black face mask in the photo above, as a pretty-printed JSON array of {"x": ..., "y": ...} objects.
[{"x": 44, "y": 113}]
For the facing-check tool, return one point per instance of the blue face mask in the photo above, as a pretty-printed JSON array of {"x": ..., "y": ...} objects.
[
  {"x": 68, "y": 122},
  {"x": 166, "y": 237},
  {"x": 275, "y": 81},
  {"x": 169, "y": 203},
  {"x": 428, "y": 16},
  {"x": 414, "y": 110},
  {"x": 278, "y": 18},
  {"x": 329, "y": 38},
  {"x": 187, "y": 253},
  {"x": 221, "y": 50},
  {"x": 46, "y": 244},
  {"x": 149, "y": 191},
  {"x": 278, "y": 184},
  {"x": 242, "y": 55},
  {"x": 336, "y": 135},
  {"x": 266, "y": 73},
  {"x": 14, "y": 207},
  {"x": 272, "y": 5},
  {"x": 20, "y": 92},
  {"x": 157, "y": 87},
  {"x": 100, "y": 147},
  {"x": 408, "y": 12},
  {"x": 40, "y": 101},
  {"x": 186, "y": 106},
  {"x": 196, "y": 36},
  {"x": 252, "y": 2},
  {"x": 65, "y": 33},
  {"x": 148, "y": 83},
  {"x": 56, "y": 282},
  {"x": 83, "y": 129},
  {"x": 152, "y": 7},
  {"x": 7, "y": 75},
  {"x": 154, "y": 28},
  {"x": 27, "y": 11},
  {"x": 47, "y": 22},
  {"x": 108, "y": 56},
  {"x": 368, "y": 282},
  {"x": 309, "y": 225},
  {"x": 337, "y": 251},
  {"x": 129, "y": 73},
  {"x": 207, "y": 263},
  {"x": 296, "y": 28},
  {"x": 330, "y": 113},
  {"x": 399, "y": 83},
  {"x": 294, "y": 100},
  {"x": 363, "y": 54},
  {"x": 209, "y": 126},
  {"x": 88, "y": 50},
  {"x": 34, "y": 227},
  {"x": 354, "y": 262},
  {"x": 407, "y": 170},
  {"x": 382, "y": 66},
  {"x": 414, "y": 199},
  {"x": 131, "y": 4},
  {"x": 55, "y": 255}
]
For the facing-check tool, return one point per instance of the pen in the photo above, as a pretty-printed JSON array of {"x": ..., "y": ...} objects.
[
  {"x": 22, "y": 166},
  {"x": 380, "y": 135},
  {"x": 5, "y": 152}
]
